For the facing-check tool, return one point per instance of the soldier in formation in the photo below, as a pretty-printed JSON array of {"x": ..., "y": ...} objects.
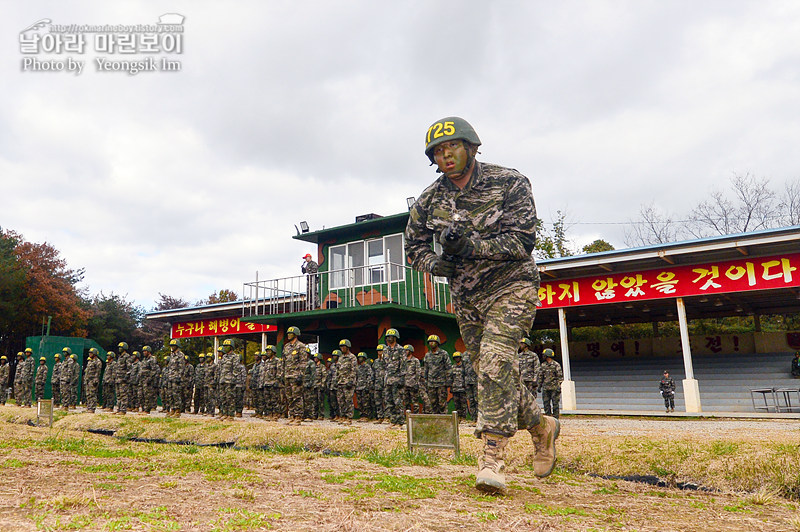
[
  {"x": 346, "y": 382},
  {"x": 294, "y": 357},
  {"x": 333, "y": 397},
  {"x": 364, "y": 378},
  {"x": 121, "y": 378},
  {"x": 70, "y": 376},
  {"x": 91, "y": 379},
  {"x": 320, "y": 378},
  {"x": 310, "y": 406},
  {"x": 436, "y": 370},
  {"x": 175, "y": 374},
  {"x": 378, "y": 379},
  {"x": 241, "y": 382},
  {"x": 108, "y": 383},
  {"x": 227, "y": 381},
  {"x": 41, "y": 378},
  {"x": 4, "y": 376},
  {"x": 394, "y": 395},
  {"x": 55, "y": 376}
]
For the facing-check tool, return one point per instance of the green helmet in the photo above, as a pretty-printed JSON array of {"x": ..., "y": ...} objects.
[
  {"x": 67, "y": 350},
  {"x": 362, "y": 354},
  {"x": 270, "y": 348},
  {"x": 136, "y": 354},
  {"x": 93, "y": 351},
  {"x": 526, "y": 341},
  {"x": 42, "y": 359},
  {"x": 227, "y": 343},
  {"x": 456, "y": 354},
  {"x": 434, "y": 338},
  {"x": 110, "y": 354},
  {"x": 201, "y": 356},
  {"x": 336, "y": 353},
  {"x": 345, "y": 342},
  {"x": 57, "y": 356},
  {"x": 28, "y": 350},
  {"x": 548, "y": 353},
  {"x": 409, "y": 348},
  {"x": 380, "y": 347},
  {"x": 294, "y": 330},
  {"x": 147, "y": 348},
  {"x": 393, "y": 332},
  {"x": 123, "y": 346},
  {"x": 173, "y": 343},
  {"x": 447, "y": 129}
]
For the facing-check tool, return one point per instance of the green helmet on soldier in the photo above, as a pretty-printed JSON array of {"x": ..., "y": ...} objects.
[
  {"x": 345, "y": 343},
  {"x": 457, "y": 354},
  {"x": 362, "y": 354},
  {"x": 42, "y": 359},
  {"x": 57, "y": 356},
  {"x": 293, "y": 330},
  {"x": 409, "y": 348},
  {"x": 447, "y": 129},
  {"x": 380, "y": 347},
  {"x": 28, "y": 350},
  {"x": 147, "y": 349},
  {"x": 173, "y": 343},
  {"x": 434, "y": 338},
  {"x": 93, "y": 351},
  {"x": 393, "y": 332},
  {"x": 336, "y": 353},
  {"x": 110, "y": 354},
  {"x": 270, "y": 348},
  {"x": 122, "y": 347},
  {"x": 548, "y": 353},
  {"x": 67, "y": 350},
  {"x": 526, "y": 341}
]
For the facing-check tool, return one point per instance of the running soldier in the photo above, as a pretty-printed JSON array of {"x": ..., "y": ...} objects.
[
  {"x": 346, "y": 381},
  {"x": 175, "y": 373},
  {"x": 458, "y": 385},
  {"x": 121, "y": 375},
  {"x": 550, "y": 379},
  {"x": 436, "y": 371},
  {"x": 484, "y": 217},
  {"x": 91, "y": 379},
  {"x": 528, "y": 366},
  {"x": 364, "y": 388},
  {"x": 294, "y": 355},
  {"x": 394, "y": 395},
  {"x": 41, "y": 378},
  {"x": 55, "y": 376},
  {"x": 378, "y": 380}
]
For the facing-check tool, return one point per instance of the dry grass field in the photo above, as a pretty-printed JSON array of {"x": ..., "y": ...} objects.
[{"x": 255, "y": 475}]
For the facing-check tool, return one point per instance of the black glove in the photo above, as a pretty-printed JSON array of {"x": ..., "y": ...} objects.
[
  {"x": 443, "y": 268},
  {"x": 454, "y": 243}
]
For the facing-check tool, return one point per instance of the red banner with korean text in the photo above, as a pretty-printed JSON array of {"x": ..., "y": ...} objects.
[
  {"x": 763, "y": 273},
  {"x": 217, "y": 327}
]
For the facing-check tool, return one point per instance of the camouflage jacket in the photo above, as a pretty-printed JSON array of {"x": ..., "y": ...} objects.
[
  {"x": 309, "y": 374},
  {"x": 667, "y": 386},
  {"x": 240, "y": 374},
  {"x": 176, "y": 367},
  {"x": 188, "y": 375},
  {"x": 550, "y": 375},
  {"x": 134, "y": 372},
  {"x": 378, "y": 374},
  {"x": 471, "y": 378},
  {"x": 4, "y": 370},
  {"x": 68, "y": 371},
  {"x": 496, "y": 211},
  {"x": 227, "y": 368},
  {"x": 256, "y": 380},
  {"x": 321, "y": 376},
  {"x": 93, "y": 368},
  {"x": 56, "y": 373},
  {"x": 411, "y": 372},
  {"x": 364, "y": 376},
  {"x": 41, "y": 376},
  {"x": 529, "y": 365},
  {"x": 395, "y": 364},
  {"x": 212, "y": 374},
  {"x": 108, "y": 375},
  {"x": 200, "y": 375},
  {"x": 269, "y": 375},
  {"x": 437, "y": 368},
  {"x": 458, "y": 377},
  {"x": 346, "y": 370},
  {"x": 332, "y": 382},
  {"x": 121, "y": 368},
  {"x": 29, "y": 367},
  {"x": 294, "y": 356},
  {"x": 149, "y": 371}
]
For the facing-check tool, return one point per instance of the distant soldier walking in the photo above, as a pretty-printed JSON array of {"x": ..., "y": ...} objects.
[{"x": 528, "y": 366}]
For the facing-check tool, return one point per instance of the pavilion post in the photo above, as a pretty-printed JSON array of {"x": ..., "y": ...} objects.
[
  {"x": 568, "y": 386},
  {"x": 691, "y": 389}
]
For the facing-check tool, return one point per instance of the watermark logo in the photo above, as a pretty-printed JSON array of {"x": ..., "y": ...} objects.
[{"x": 132, "y": 49}]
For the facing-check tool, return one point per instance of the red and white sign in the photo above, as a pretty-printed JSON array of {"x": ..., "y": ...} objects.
[
  {"x": 764, "y": 273},
  {"x": 218, "y": 327}
]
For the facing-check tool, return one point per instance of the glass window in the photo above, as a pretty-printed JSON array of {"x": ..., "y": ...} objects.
[
  {"x": 376, "y": 261},
  {"x": 364, "y": 262},
  {"x": 395, "y": 256},
  {"x": 338, "y": 264},
  {"x": 355, "y": 254}
]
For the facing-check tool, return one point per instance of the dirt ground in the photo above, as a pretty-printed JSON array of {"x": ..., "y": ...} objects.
[{"x": 64, "y": 479}]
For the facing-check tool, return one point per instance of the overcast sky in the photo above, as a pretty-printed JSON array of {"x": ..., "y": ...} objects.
[{"x": 188, "y": 182}]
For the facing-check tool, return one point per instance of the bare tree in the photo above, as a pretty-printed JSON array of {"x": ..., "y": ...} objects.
[
  {"x": 752, "y": 208},
  {"x": 789, "y": 205},
  {"x": 652, "y": 227}
]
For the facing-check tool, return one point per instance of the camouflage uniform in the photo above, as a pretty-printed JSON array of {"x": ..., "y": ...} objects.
[
  {"x": 378, "y": 380},
  {"x": 364, "y": 379},
  {"x": 70, "y": 374},
  {"x": 494, "y": 288},
  {"x": 331, "y": 387},
  {"x": 55, "y": 377},
  {"x": 272, "y": 393},
  {"x": 412, "y": 378},
  {"x": 41, "y": 381},
  {"x": 310, "y": 406},
  {"x": 254, "y": 376},
  {"x": 320, "y": 378},
  {"x": 30, "y": 374},
  {"x": 667, "y": 388},
  {"x": 458, "y": 387},
  {"x": 121, "y": 383},
  {"x": 394, "y": 395},
  {"x": 294, "y": 356},
  {"x": 212, "y": 378},
  {"x": 241, "y": 382},
  {"x": 227, "y": 384},
  {"x": 472, "y": 386},
  {"x": 188, "y": 386},
  {"x": 91, "y": 382},
  {"x": 436, "y": 370},
  {"x": 529, "y": 369},
  {"x": 149, "y": 376},
  {"x": 311, "y": 268},
  {"x": 175, "y": 373},
  {"x": 4, "y": 374},
  {"x": 108, "y": 384},
  {"x": 550, "y": 379},
  {"x": 346, "y": 383},
  {"x": 135, "y": 381},
  {"x": 163, "y": 387},
  {"x": 200, "y": 387}
]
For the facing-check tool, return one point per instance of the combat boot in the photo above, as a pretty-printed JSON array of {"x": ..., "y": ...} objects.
[
  {"x": 544, "y": 444},
  {"x": 490, "y": 476}
]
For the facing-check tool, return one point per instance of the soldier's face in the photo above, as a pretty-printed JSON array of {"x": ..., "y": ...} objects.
[
  {"x": 432, "y": 346},
  {"x": 451, "y": 157}
]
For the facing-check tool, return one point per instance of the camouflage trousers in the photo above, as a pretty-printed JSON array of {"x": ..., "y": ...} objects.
[
  {"x": 310, "y": 406},
  {"x": 39, "y": 392},
  {"x": 149, "y": 397},
  {"x": 108, "y": 395},
  {"x": 123, "y": 392},
  {"x": 551, "y": 400},
  {"x": 56, "y": 394},
  {"x": 377, "y": 403},
  {"x": 393, "y": 400},
  {"x": 491, "y": 328},
  {"x": 669, "y": 400},
  {"x": 92, "y": 387},
  {"x": 68, "y": 394},
  {"x": 365, "y": 404},
  {"x": 272, "y": 400},
  {"x": 532, "y": 387},
  {"x": 345, "y": 398},
  {"x": 257, "y": 395},
  {"x": 186, "y": 397},
  {"x": 460, "y": 404},
  {"x": 211, "y": 400},
  {"x": 199, "y": 399},
  {"x": 239, "y": 399},
  {"x": 175, "y": 396},
  {"x": 333, "y": 402},
  {"x": 294, "y": 398},
  {"x": 437, "y": 395},
  {"x": 472, "y": 400},
  {"x": 19, "y": 392},
  {"x": 227, "y": 399},
  {"x": 320, "y": 398}
]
